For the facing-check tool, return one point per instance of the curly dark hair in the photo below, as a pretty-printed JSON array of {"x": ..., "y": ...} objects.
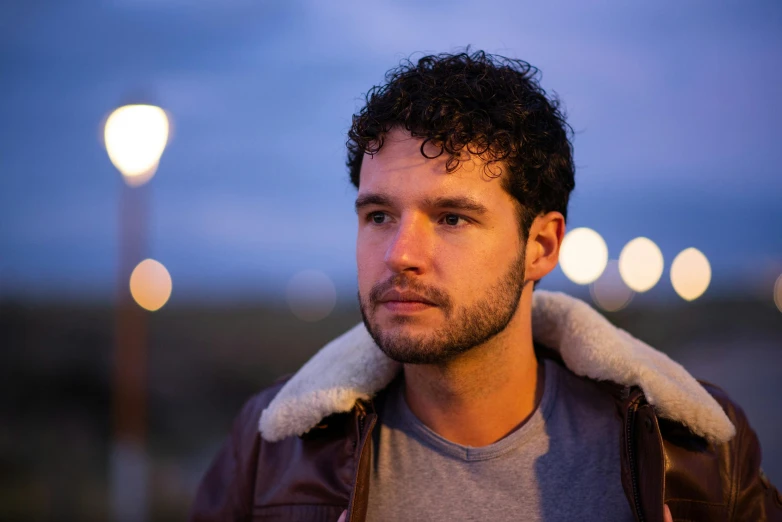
[{"x": 487, "y": 105}]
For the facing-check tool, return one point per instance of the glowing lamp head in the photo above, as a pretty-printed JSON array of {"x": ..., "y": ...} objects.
[
  {"x": 150, "y": 285},
  {"x": 135, "y": 137},
  {"x": 690, "y": 274},
  {"x": 583, "y": 256},
  {"x": 641, "y": 264}
]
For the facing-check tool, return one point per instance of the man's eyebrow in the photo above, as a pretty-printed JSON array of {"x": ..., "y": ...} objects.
[
  {"x": 454, "y": 202},
  {"x": 458, "y": 203},
  {"x": 381, "y": 200}
]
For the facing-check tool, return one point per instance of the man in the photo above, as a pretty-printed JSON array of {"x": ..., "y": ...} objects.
[{"x": 463, "y": 395}]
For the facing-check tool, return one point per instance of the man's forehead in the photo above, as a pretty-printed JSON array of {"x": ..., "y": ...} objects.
[
  {"x": 400, "y": 162},
  {"x": 425, "y": 186},
  {"x": 426, "y": 189},
  {"x": 397, "y": 156}
]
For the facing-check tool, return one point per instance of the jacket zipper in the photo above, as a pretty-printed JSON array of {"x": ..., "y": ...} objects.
[
  {"x": 631, "y": 457},
  {"x": 351, "y": 505}
]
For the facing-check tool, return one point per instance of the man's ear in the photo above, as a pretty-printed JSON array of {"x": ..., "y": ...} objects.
[{"x": 543, "y": 243}]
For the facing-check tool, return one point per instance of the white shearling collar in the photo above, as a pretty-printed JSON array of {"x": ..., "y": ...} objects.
[{"x": 352, "y": 367}]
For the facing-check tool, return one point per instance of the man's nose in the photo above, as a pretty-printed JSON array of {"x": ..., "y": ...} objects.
[{"x": 410, "y": 247}]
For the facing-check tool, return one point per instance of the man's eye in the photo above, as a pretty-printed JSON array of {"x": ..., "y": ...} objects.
[
  {"x": 377, "y": 218},
  {"x": 451, "y": 220}
]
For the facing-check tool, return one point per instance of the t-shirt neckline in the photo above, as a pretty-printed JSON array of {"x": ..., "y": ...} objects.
[{"x": 413, "y": 426}]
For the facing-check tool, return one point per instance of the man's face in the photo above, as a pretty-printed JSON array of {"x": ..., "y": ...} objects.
[{"x": 439, "y": 255}]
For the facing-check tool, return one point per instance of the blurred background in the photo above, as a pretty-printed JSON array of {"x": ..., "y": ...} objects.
[{"x": 221, "y": 200}]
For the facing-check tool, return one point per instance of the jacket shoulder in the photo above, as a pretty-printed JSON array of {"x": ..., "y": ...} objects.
[
  {"x": 742, "y": 489},
  {"x": 731, "y": 407},
  {"x": 228, "y": 485},
  {"x": 299, "y": 477}
]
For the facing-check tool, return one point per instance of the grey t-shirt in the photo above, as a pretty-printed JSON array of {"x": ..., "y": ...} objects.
[{"x": 561, "y": 464}]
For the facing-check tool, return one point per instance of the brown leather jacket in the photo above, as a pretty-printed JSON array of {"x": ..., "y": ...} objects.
[{"x": 316, "y": 476}]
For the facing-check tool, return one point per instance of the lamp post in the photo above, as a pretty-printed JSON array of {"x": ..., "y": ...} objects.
[{"x": 135, "y": 137}]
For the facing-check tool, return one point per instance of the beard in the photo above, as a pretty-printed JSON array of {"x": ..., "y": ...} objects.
[{"x": 465, "y": 327}]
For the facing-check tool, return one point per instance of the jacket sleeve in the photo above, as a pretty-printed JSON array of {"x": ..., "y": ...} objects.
[
  {"x": 755, "y": 497},
  {"x": 226, "y": 490}
]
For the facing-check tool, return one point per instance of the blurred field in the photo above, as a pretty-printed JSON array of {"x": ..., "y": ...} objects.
[{"x": 55, "y": 419}]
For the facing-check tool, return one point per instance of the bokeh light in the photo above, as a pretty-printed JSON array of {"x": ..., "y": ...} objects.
[
  {"x": 610, "y": 292},
  {"x": 778, "y": 293},
  {"x": 135, "y": 137},
  {"x": 641, "y": 264},
  {"x": 311, "y": 295},
  {"x": 150, "y": 285},
  {"x": 583, "y": 255},
  {"x": 690, "y": 274}
]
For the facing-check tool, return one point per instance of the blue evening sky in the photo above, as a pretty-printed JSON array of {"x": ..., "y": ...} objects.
[{"x": 676, "y": 107}]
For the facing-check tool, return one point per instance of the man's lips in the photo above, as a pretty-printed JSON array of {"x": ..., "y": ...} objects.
[
  {"x": 401, "y": 307},
  {"x": 404, "y": 298},
  {"x": 404, "y": 301}
]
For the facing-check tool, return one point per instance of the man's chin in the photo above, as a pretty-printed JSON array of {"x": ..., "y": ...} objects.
[
  {"x": 408, "y": 354},
  {"x": 403, "y": 345},
  {"x": 406, "y": 338},
  {"x": 412, "y": 333}
]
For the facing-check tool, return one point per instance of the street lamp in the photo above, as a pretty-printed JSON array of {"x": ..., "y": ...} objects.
[{"x": 135, "y": 137}]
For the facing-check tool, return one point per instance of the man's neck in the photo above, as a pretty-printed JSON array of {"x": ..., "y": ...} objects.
[{"x": 484, "y": 394}]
